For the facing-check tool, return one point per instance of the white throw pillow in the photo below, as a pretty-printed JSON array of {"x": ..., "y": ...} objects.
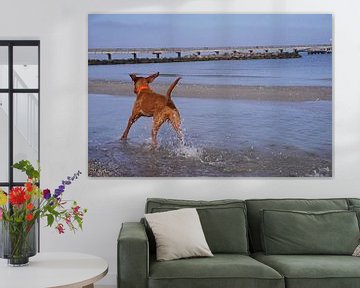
[
  {"x": 357, "y": 251},
  {"x": 178, "y": 234}
]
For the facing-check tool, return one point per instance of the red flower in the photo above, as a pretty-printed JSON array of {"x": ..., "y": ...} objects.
[
  {"x": 29, "y": 186},
  {"x": 68, "y": 219},
  {"x": 17, "y": 196},
  {"x": 29, "y": 217},
  {"x": 27, "y": 196},
  {"x": 75, "y": 209},
  {"x": 29, "y": 206},
  {"x": 60, "y": 228}
]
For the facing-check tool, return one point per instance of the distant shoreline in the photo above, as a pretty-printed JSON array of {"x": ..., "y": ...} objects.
[
  {"x": 270, "y": 93},
  {"x": 196, "y": 58}
]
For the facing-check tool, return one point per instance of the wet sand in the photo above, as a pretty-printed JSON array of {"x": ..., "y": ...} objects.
[{"x": 271, "y": 93}]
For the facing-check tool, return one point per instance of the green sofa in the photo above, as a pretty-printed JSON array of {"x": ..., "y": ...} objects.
[{"x": 235, "y": 234}]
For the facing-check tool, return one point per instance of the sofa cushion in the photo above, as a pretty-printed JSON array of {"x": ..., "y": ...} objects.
[
  {"x": 297, "y": 232},
  {"x": 223, "y": 221},
  {"x": 356, "y": 209},
  {"x": 354, "y": 205},
  {"x": 178, "y": 234},
  {"x": 254, "y": 217},
  {"x": 313, "y": 271},
  {"x": 353, "y": 201},
  {"x": 222, "y": 270}
]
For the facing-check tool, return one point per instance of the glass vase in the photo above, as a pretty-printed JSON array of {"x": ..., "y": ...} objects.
[{"x": 18, "y": 242}]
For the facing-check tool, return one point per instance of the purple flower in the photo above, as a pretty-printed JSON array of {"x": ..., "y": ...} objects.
[
  {"x": 46, "y": 194},
  {"x": 58, "y": 192},
  {"x": 64, "y": 183}
]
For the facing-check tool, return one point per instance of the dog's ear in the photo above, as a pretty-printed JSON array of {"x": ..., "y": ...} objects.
[
  {"x": 152, "y": 77},
  {"x": 133, "y": 77}
]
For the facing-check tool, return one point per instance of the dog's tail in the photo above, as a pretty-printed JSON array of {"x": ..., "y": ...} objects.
[{"x": 171, "y": 88}]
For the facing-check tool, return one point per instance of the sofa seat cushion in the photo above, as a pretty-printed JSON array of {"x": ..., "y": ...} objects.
[
  {"x": 222, "y": 270},
  {"x": 313, "y": 271}
]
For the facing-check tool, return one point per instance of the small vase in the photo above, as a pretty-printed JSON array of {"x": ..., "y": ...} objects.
[{"x": 18, "y": 242}]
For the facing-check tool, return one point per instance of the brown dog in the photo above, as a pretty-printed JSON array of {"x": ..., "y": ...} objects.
[{"x": 150, "y": 104}]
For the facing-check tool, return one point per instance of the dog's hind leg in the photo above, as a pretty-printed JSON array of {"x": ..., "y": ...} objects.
[
  {"x": 131, "y": 121},
  {"x": 176, "y": 124},
  {"x": 157, "y": 122}
]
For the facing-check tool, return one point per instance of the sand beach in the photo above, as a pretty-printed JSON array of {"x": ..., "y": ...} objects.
[{"x": 271, "y": 93}]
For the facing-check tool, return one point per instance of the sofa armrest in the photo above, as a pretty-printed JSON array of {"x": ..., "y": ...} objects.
[{"x": 133, "y": 256}]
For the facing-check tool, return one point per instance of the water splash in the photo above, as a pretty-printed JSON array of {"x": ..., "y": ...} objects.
[{"x": 188, "y": 151}]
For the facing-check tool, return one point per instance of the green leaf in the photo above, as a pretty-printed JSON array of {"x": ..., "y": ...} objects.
[
  {"x": 53, "y": 211},
  {"x": 50, "y": 219},
  {"x": 26, "y": 167},
  {"x": 79, "y": 221}
]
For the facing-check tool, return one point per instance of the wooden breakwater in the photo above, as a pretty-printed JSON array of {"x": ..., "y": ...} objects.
[{"x": 194, "y": 58}]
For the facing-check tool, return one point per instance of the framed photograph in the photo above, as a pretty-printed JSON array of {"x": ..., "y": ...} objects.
[{"x": 210, "y": 95}]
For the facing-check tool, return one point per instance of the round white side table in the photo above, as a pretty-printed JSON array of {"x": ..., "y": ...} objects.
[{"x": 50, "y": 270}]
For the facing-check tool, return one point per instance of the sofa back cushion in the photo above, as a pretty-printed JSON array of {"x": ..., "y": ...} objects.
[
  {"x": 223, "y": 221},
  {"x": 298, "y": 232},
  {"x": 255, "y": 206},
  {"x": 354, "y": 205},
  {"x": 353, "y": 202}
]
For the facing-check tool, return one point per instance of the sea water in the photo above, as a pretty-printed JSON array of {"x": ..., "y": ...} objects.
[
  {"x": 222, "y": 138},
  {"x": 309, "y": 70}
]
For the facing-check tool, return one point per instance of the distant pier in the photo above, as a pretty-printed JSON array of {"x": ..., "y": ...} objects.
[{"x": 163, "y": 55}]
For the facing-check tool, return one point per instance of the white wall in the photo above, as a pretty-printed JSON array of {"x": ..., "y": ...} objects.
[{"x": 61, "y": 25}]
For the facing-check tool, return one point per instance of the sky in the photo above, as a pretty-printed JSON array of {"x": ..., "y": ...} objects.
[{"x": 207, "y": 30}]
